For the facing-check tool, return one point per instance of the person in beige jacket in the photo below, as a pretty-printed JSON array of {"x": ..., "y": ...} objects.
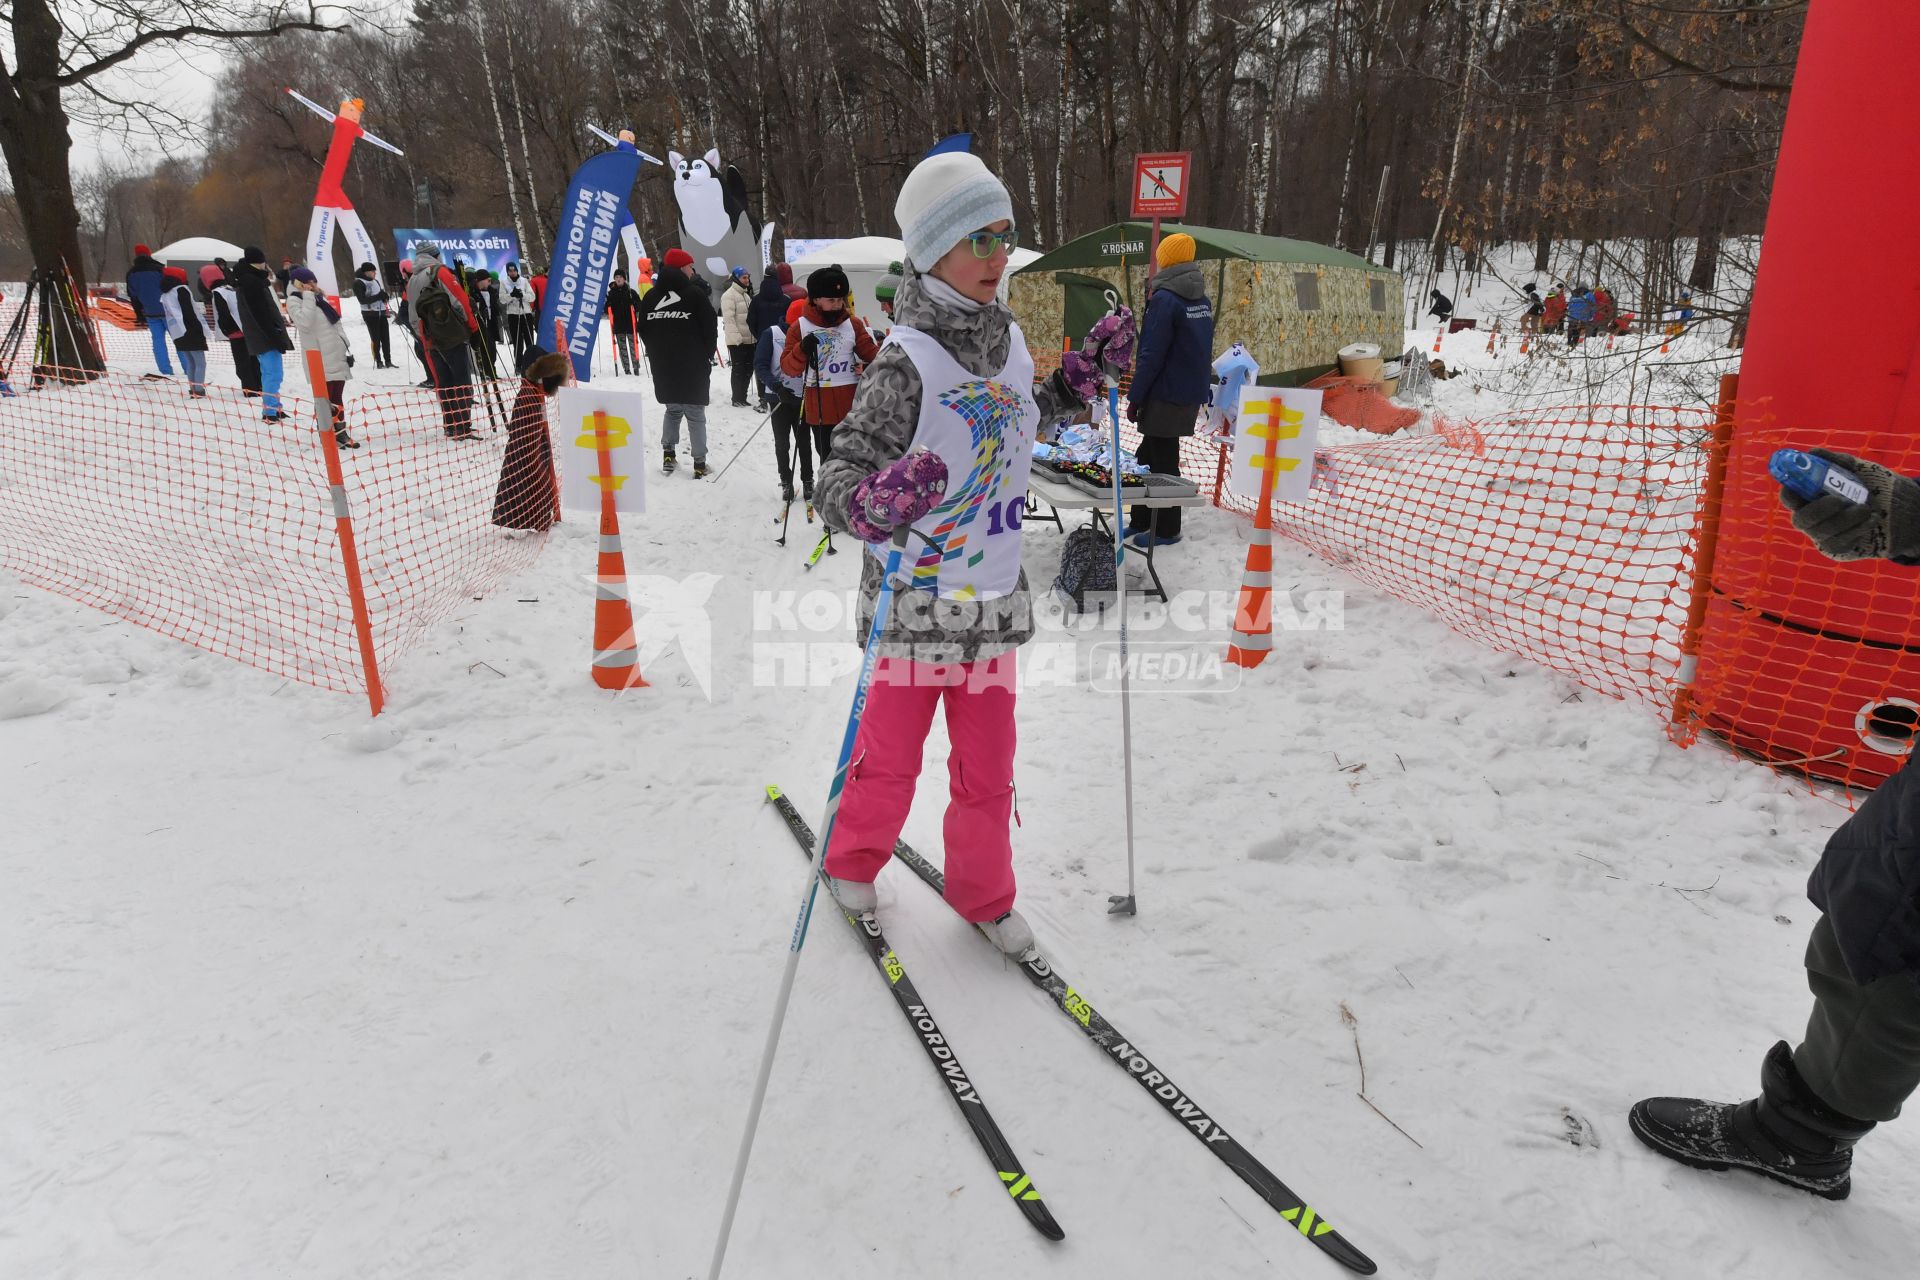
[
  {"x": 739, "y": 337},
  {"x": 318, "y": 325}
]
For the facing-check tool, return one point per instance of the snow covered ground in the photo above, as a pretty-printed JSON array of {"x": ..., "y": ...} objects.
[{"x": 477, "y": 989}]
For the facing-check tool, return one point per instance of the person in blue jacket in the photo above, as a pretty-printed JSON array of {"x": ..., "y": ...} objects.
[
  {"x": 1172, "y": 377},
  {"x": 1581, "y": 309},
  {"x": 146, "y": 281}
]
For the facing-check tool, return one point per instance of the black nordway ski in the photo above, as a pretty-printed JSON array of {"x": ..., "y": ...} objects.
[
  {"x": 1170, "y": 1096},
  {"x": 939, "y": 1052}
]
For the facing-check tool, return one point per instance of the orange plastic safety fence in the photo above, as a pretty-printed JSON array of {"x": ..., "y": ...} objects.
[
  {"x": 1808, "y": 663},
  {"x": 194, "y": 517}
]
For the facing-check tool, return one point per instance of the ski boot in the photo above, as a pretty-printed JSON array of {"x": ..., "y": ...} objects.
[
  {"x": 786, "y": 492},
  {"x": 700, "y": 469},
  {"x": 1786, "y": 1133},
  {"x": 1011, "y": 934},
  {"x": 855, "y": 898},
  {"x": 668, "y": 462}
]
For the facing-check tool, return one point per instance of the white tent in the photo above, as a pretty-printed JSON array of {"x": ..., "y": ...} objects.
[
  {"x": 198, "y": 249},
  {"x": 866, "y": 258}
]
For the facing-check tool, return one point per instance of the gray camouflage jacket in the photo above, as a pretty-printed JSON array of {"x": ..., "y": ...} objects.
[{"x": 878, "y": 429}]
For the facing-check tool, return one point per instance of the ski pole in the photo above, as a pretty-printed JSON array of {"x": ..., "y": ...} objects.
[
  {"x": 1117, "y": 904},
  {"x": 765, "y": 418},
  {"x": 870, "y": 659}
]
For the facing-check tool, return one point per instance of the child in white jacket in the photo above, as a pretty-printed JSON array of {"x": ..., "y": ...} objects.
[{"x": 318, "y": 325}]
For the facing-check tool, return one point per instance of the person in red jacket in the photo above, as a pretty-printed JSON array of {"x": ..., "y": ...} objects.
[{"x": 826, "y": 349}]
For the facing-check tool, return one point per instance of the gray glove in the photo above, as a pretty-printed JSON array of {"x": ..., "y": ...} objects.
[{"x": 1886, "y": 524}]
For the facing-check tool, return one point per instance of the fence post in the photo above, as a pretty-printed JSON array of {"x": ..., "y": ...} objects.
[
  {"x": 1706, "y": 539},
  {"x": 343, "y": 525}
]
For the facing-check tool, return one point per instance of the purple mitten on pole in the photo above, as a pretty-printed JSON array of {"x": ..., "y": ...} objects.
[
  {"x": 896, "y": 495},
  {"x": 1110, "y": 342},
  {"x": 1082, "y": 376}
]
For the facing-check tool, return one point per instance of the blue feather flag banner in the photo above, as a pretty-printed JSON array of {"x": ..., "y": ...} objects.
[{"x": 582, "y": 261}]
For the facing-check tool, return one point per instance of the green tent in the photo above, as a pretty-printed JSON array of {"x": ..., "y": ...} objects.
[{"x": 1293, "y": 303}]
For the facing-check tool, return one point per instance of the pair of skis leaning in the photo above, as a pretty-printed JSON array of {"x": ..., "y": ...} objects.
[{"x": 1103, "y": 1034}]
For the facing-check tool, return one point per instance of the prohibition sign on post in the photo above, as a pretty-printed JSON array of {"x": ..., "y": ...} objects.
[{"x": 1160, "y": 184}]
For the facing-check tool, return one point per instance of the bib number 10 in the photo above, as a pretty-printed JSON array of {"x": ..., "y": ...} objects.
[{"x": 1006, "y": 515}]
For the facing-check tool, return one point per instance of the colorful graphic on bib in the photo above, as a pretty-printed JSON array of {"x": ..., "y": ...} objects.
[{"x": 989, "y": 409}]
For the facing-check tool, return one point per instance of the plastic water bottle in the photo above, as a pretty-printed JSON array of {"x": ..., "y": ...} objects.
[{"x": 1809, "y": 477}]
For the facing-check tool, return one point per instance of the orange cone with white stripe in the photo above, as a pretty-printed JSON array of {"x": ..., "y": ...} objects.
[
  {"x": 1253, "y": 617},
  {"x": 616, "y": 655}
]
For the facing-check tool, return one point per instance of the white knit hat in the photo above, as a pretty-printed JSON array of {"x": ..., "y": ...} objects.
[{"x": 946, "y": 198}]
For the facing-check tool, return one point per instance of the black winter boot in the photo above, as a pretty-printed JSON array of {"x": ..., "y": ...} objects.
[{"x": 1786, "y": 1134}]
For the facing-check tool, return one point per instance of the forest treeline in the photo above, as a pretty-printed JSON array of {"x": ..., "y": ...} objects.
[{"x": 1457, "y": 123}]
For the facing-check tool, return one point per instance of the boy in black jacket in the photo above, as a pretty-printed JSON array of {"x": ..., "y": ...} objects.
[{"x": 680, "y": 329}]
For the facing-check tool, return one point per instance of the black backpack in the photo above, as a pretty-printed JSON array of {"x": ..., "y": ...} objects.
[
  {"x": 1086, "y": 564},
  {"x": 439, "y": 317}
]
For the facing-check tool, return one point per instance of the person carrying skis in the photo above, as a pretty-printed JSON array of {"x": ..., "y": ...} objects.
[
  {"x": 1860, "y": 1059},
  {"x": 318, "y": 325},
  {"x": 265, "y": 328},
  {"x": 444, "y": 320},
  {"x": 185, "y": 328},
  {"x": 623, "y": 310},
  {"x": 373, "y": 311},
  {"x": 525, "y": 497},
  {"x": 146, "y": 281},
  {"x": 1172, "y": 377},
  {"x": 826, "y": 348},
  {"x": 680, "y": 330},
  {"x": 940, "y": 436},
  {"x": 738, "y": 334}
]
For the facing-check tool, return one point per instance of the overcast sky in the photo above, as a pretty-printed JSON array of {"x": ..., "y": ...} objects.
[{"x": 181, "y": 79}]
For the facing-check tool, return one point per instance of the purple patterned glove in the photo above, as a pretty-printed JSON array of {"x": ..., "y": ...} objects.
[
  {"x": 1082, "y": 376},
  {"x": 1110, "y": 342},
  {"x": 896, "y": 495}
]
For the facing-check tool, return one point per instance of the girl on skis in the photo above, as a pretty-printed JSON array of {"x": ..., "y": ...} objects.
[{"x": 939, "y": 439}]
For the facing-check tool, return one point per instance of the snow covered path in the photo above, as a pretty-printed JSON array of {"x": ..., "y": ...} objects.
[{"x": 477, "y": 989}]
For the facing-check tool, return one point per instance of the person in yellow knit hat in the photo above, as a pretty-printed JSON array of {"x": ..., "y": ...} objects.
[{"x": 1172, "y": 376}]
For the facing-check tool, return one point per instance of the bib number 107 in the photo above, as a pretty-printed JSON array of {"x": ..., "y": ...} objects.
[{"x": 1002, "y": 516}]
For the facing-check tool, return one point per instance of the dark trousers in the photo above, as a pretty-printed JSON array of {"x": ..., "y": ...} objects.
[
  {"x": 788, "y": 431},
  {"x": 337, "y": 399},
  {"x": 378, "y": 338},
  {"x": 247, "y": 365},
  {"x": 627, "y": 347},
  {"x": 1862, "y": 1052},
  {"x": 741, "y": 367},
  {"x": 521, "y": 333},
  {"x": 452, "y": 373},
  {"x": 1161, "y": 454}
]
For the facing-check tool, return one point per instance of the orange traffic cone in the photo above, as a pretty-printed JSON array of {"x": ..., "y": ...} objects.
[
  {"x": 1253, "y": 618},
  {"x": 1438, "y": 333},
  {"x": 1526, "y": 343},
  {"x": 616, "y": 655}
]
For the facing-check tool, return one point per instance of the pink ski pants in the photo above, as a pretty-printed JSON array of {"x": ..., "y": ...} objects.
[{"x": 979, "y": 697}]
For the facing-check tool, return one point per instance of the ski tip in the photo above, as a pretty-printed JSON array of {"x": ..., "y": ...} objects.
[{"x": 773, "y": 792}]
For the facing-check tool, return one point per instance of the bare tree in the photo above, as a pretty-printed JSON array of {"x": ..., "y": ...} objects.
[{"x": 69, "y": 49}]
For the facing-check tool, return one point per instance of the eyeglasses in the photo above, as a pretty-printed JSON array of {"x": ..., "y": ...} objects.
[{"x": 985, "y": 242}]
